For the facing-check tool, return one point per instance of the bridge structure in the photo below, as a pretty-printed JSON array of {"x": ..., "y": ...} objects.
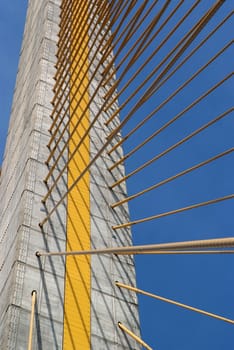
[{"x": 110, "y": 96}]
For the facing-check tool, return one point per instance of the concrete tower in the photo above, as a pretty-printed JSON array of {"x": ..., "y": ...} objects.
[{"x": 55, "y": 172}]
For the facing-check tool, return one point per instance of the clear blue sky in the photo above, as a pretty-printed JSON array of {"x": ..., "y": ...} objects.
[
  {"x": 205, "y": 281},
  {"x": 12, "y": 17}
]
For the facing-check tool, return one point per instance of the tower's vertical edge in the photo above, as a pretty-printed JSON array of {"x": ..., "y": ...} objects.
[{"x": 22, "y": 189}]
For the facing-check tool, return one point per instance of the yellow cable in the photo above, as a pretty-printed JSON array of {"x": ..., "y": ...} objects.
[{"x": 170, "y": 301}]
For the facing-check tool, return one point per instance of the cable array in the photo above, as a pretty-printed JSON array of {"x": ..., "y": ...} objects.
[
  {"x": 121, "y": 38},
  {"x": 167, "y": 72}
]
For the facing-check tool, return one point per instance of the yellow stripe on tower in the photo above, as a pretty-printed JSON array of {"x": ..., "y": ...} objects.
[{"x": 78, "y": 274}]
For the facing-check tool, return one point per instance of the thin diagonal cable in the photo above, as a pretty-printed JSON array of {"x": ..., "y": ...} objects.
[
  {"x": 118, "y": 11},
  {"x": 197, "y": 30},
  {"x": 117, "y": 8},
  {"x": 134, "y": 27},
  {"x": 123, "y": 19},
  {"x": 150, "y": 115},
  {"x": 147, "y": 43},
  {"x": 74, "y": 20},
  {"x": 157, "y": 252},
  {"x": 66, "y": 23},
  {"x": 213, "y": 243},
  {"x": 187, "y": 252},
  {"x": 174, "y": 177},
  {"x": 68, "y": 96},
  {"x": 148, "y": 139},
  {"x": 30, "y": 336},
  {"x": 173, "y": 302},
  {"x": 65, "y": 14},
  {"x": 134, "y": 336},
  {"x": 77, "y": 88},
  {"x": 171, "y": 121},
  {"x": 142, "y": 48},
  {"x": 138, "y": 252},
  {"x": 61, "y": 73},
  {"x": 84, "y": 33},
  {"x": 100, "y": 11},
  {"x": 102, "y": 26},
  {"x": 77, "y": 14},
  {"x": 99, "y": 5},
  {"x": 176, "y": 211},
  {"x": 187, "y": 40},
  {"x": 142, "y": 38}
]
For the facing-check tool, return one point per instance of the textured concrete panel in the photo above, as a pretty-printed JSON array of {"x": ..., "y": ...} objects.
[{"x": 21, "y": 191}]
